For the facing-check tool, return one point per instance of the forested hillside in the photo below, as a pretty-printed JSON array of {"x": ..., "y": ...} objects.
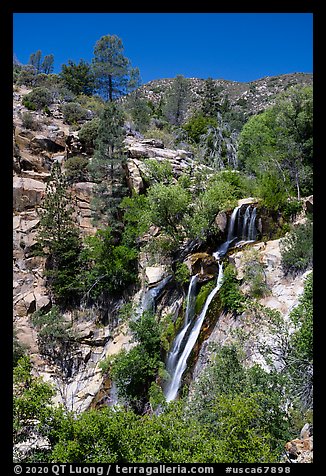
[{"x": 163, "y": 265}]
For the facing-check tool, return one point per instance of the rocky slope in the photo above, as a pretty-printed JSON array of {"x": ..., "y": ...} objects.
[{"x": 250, "y": 98}]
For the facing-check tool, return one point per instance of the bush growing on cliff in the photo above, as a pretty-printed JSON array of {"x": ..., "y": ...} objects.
[
  {"x": 29, "y": 122},
  {"x": 231, "y": 296},
  {"x": 76, "y": 169},
  {"x": 88, "y": 133},
  {"x": 38, "y": 99},
  {"x": 134, "y": 371},
  {"x": 108, "y": 267},
  {"x": 297, "y": 249},
  {"x": 58, "y": 238},
  {"x": 73, "y": 113},
  {"x": 56, "y": 338}
]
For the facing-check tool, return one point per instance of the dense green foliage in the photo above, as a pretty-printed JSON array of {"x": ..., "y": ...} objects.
[
  {"x": 58, "y": 237},
  {"x": 297, "y": 250},
  {"x": 231, "y": 296},
  {"x": 78, "y": 78},
  {"x": 37, "y": 99},
  {"x": 108, "y": 267},
  {"x": 248, "y": 400},
  {"x": 276, "y": 146},
  {"x": 198, "y": 125}
]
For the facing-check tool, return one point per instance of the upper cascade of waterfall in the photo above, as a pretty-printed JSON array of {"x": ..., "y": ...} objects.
[
  {"x": 178, "y": 365},
  {"x": 241, "y": 229}
]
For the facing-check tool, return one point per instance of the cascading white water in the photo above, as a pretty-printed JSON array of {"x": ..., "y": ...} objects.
[
  {"x": 230, "y": 236},
  {"x": 252, "y": 232},
  {"x": 172, "y": 388},
  {"x": 173, "y": 354},
  {"x": 232, "y": 223},
  {"x": 148, "y": 300},
  {"x": 245, "y": 225}
]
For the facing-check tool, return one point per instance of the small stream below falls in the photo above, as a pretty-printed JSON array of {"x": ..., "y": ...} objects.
[{"x": 241, "y": 230}]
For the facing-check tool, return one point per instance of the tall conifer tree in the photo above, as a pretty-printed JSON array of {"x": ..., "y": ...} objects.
[
  {"x": 107, "y": 167},
  {"x": 59, "y": 238}
]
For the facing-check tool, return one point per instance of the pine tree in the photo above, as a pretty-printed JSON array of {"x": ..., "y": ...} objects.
[
  {"x": 114, "y": 74},
  {"x": 210, "y": 98},
  {"x": 177, "y": 101},
  {"x": 47, "y": 64},
  {"x": 59, "y": 238},
  {"x": 35, "y": 61},
  {"x": 78, "y": 78},
  {"x": 108, "y": 168}
]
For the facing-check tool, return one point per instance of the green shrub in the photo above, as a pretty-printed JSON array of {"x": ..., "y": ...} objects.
[
  {"x": 76, "y": 169},
  {"x": 291, "y": 209},
  {"x": 73, "y": 113},
  {"x": 231, "y": 296},
  {"x": 254, "y": 275},
  {"x": 56, "y": 338},
  {"x": 93, "y": 103},
  {"x": 28, "y": 122},
  {"x": 182, "y": 273},
  {"x": 297, "y": 249},
  {"x": 134, "y": 371},
  {"x": 272, "y": 190},
  {"x": 159, "y": 172},
  {"x": 198, "y": 125},
  {"x": 88, "y": 133},
  {"x": 37, "y": 99},
  {"x": 202, "y": 296}
]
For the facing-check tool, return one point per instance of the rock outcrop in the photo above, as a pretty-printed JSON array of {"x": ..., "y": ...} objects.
[{"x": 300, "y": 450}]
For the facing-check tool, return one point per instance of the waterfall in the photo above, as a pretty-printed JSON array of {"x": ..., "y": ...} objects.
[
  {"x": 173, "y": 386},
  {"x": 247, "y": 227},
  {"x": 246, "y": 220},
  {"x": 230, "y": 236},
  {"x": 174, "y": 352},
  {"x": 252, "y": 231},
  {"x": 148, "y": 300}
]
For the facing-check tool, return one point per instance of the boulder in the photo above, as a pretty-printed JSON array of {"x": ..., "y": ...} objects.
[
  {"x": 154, "y": 274},
  {"x": 27, "y": 193},
  {"x": 53, "y": 144},
  {"x": 308, "y": 204},
  {"x": 157, "y": 143},
  {"x": 300, "y": 449},
  {"x": 221, "y": 221},
  {"x": 135, "y": 180},
  {"x": 247, "y": 201},
  {"x": 202, "y": 264},
  {"x": 83, "y": 191}
]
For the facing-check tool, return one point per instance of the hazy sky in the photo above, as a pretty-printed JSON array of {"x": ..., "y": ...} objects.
[{"x": 233, "y": 46}]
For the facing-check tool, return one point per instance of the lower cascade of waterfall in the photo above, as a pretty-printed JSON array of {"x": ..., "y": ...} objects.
[
  {"x": 241, "y": 229},
  {"x": 186, "y": 339}
]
